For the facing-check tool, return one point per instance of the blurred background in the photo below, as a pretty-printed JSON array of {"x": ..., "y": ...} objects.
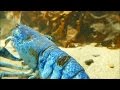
[{"x": 68, "y": 28}]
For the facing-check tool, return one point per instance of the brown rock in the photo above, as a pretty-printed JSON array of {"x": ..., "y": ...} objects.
[
  {"x": 89, "y": 62},
  {"x": 111, "y": 65}
]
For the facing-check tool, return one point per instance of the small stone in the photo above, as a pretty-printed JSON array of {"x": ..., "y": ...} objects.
[
  {"x": 89, "y": 62},
  {"x": 111, "y": 65}
]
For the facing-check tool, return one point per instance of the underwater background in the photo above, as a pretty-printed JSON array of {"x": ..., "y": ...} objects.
[{"x": 91, "y": 37}]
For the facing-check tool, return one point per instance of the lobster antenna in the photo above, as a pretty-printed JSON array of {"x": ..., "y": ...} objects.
[{"x": 17, "y": 19}]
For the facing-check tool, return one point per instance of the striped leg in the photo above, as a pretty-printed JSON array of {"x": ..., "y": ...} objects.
[
  {"x": 18, "y": 74},
  {"x": 7, "y": 65}
]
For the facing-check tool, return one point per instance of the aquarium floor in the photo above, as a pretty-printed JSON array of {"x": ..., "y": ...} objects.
[{"x": 106, "y": 62}]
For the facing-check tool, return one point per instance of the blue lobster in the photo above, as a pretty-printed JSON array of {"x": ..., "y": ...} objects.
[{"x": 44, "y": 59}]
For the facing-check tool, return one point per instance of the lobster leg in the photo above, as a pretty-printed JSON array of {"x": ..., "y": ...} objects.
[
  {"x": 7, "y": 65},
  {"x": 14, "y": 74},
  {"x": 35, "y": 75}
]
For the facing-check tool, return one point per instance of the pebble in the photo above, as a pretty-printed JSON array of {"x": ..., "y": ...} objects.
[
  {"x": 89, "y": 62},
  {"x": 111, "y": 65}
]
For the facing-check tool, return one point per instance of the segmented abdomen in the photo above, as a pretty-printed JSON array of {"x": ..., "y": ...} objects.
[{"x": 56, "y": 64}]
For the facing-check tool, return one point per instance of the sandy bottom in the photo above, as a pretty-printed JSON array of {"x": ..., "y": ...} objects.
[{"x": 106, "y": 62}]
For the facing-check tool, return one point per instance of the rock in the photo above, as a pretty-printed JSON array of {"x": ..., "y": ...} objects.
[
  {"x": 111, "y": 65},
  {"x": 89, "y": 62}
]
